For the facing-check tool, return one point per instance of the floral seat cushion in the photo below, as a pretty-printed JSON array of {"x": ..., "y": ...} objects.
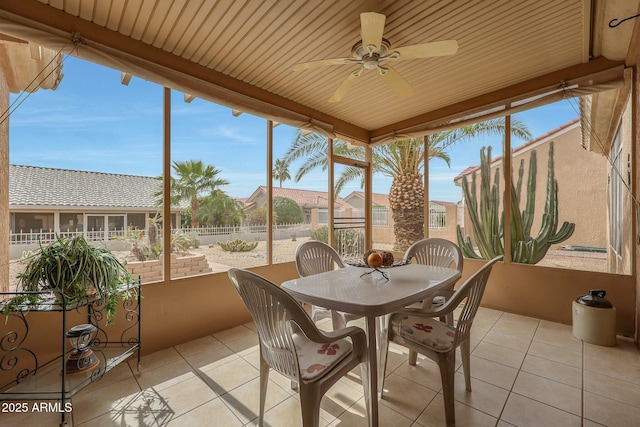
[
  {"x": 425, "y": 331},
  {"x": 316, "y": 359}
]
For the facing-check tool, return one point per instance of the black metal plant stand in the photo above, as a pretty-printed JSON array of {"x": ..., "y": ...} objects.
[{"x": 20, "y": 364}]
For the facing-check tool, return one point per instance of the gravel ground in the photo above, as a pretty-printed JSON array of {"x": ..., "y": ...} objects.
[
  {"x": 219, "y": 260},
  {"x": 284, "y": 250}
]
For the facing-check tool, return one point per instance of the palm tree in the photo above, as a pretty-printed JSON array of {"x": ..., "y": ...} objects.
[
  {"x": 403, "y": 162},
  {"x": 281, "y": 171},
  {"x": 193, "y": 179},
  {"x": 221, "y": 210}
]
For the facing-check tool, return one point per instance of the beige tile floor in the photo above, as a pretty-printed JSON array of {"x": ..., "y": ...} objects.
[{"x": 525, "y": 372}]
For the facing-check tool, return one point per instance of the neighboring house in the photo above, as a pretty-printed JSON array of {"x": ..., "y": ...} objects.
[
  {"x": 584, "y": 204},
  {"x": 308, "y": 200},
  {"x": 443, "y": 217},
  {"x": 61, "y": 200},
  {"x": 356, "y": 199},
  {"x": 380, "y": 212}
]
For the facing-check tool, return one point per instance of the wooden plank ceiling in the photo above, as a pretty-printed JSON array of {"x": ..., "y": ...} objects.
[{"x": 501, "y": 43}]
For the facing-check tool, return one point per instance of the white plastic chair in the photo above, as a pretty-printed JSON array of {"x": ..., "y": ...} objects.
[
  {"x": 314, "y": 257},
  {"x": 422, "y": 333},
  {"x": 440, "y": 253},
  {"x": 291, "y": 344}
]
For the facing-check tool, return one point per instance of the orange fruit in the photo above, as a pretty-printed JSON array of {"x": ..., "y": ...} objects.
[{"x": 374, "y": 260}]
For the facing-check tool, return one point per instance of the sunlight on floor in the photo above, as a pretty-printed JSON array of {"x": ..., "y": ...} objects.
[{"x": 525, "y": 372}]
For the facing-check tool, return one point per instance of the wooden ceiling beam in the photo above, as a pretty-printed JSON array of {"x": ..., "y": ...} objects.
[{"x": 125, "y": 78}]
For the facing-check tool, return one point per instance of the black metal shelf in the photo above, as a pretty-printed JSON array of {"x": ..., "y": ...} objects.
[{"x": 49, "y": 381}]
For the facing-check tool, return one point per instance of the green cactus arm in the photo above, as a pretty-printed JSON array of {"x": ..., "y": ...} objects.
[
  {"x": 563, "y": 234},
  {"x": 471, "y": 194},
  {"x": 520, "y": 175},
  {"x": 551, "y": 182},
  {"x": 478, "y": 232},
  {"x": 550, "y": 235},
  {"x": 525, "y": 251},
  {"x": 493, "y": 224},
  {"x": 529, "y": 211},
  {"x": 517, "y": 227},
  {"x": 517, "y": 252},
  {"x": 465, "y": 245},
  {"x": 550, "y": 215},
  {"x": 497, "y": 247},
  {"x": 485, "y": 191}
]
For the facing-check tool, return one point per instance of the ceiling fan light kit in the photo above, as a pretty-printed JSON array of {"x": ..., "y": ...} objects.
[{"x": 373, "y": 49}]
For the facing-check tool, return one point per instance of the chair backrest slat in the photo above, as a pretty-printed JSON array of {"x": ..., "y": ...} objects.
[
  {"x": 314, "y": 257},
  {"x": 437, "y": 252}
]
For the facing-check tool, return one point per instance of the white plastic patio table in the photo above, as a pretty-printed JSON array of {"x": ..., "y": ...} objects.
[{"x": 371, "y": 296}]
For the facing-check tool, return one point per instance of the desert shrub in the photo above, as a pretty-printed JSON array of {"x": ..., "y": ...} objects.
[
  {"x": 142, "y": 249},
  {"x": 258, "y": 216},
  {"x": 237, "y": 245},
  {"x": 321, "y": 234},
  {"x": 181, "y": 242}
]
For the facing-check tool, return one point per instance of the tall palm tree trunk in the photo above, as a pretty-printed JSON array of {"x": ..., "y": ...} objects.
[
  {"x": 195, "y": 220},
  {"x": 407, "y": 204}
]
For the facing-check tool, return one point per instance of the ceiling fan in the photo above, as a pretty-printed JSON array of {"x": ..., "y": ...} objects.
[{"x": 373, "y": 49}]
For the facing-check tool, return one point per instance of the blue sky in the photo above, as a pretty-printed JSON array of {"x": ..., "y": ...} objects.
[{"x": 93, "y": 122}]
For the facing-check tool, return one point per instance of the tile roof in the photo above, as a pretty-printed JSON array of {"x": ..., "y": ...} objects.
[
  {"x": 38, "y": 186},
  {"x": 378, "y": 199},
  {"x": 305, "y": 198}
]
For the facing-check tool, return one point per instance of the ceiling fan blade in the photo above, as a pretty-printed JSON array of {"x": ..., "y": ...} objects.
[
  {"x": 395, "y": 81},
  {"x": 321, "y": 63},
  {"x": 344, "y": 87},
  {"x": 371, "y": 29},
  {"x": 427, "y": 50}
]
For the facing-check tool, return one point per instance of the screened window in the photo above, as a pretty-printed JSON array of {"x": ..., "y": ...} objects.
[{"x": 136, "y": 221}]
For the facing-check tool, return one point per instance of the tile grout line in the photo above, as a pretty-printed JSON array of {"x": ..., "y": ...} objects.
[
  {"x": 519, "y": 369},
  {"x": 544, "y": 403},
  {"x": 200, "y": 374}
]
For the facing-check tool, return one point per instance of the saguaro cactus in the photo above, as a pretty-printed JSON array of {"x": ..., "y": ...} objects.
[{"x": 488, "y": 224}]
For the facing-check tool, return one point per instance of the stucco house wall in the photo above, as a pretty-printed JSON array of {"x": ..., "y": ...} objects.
[{"x": 449, "y": 230}]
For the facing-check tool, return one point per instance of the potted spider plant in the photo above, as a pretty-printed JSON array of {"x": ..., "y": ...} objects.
[{"x": 73, "y": 267}]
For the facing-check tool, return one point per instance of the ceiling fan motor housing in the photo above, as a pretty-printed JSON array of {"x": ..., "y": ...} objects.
[{"x": 360, "y": 52}]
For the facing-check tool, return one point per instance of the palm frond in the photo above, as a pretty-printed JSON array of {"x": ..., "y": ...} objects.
[{"x": 348, "y": 175}]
